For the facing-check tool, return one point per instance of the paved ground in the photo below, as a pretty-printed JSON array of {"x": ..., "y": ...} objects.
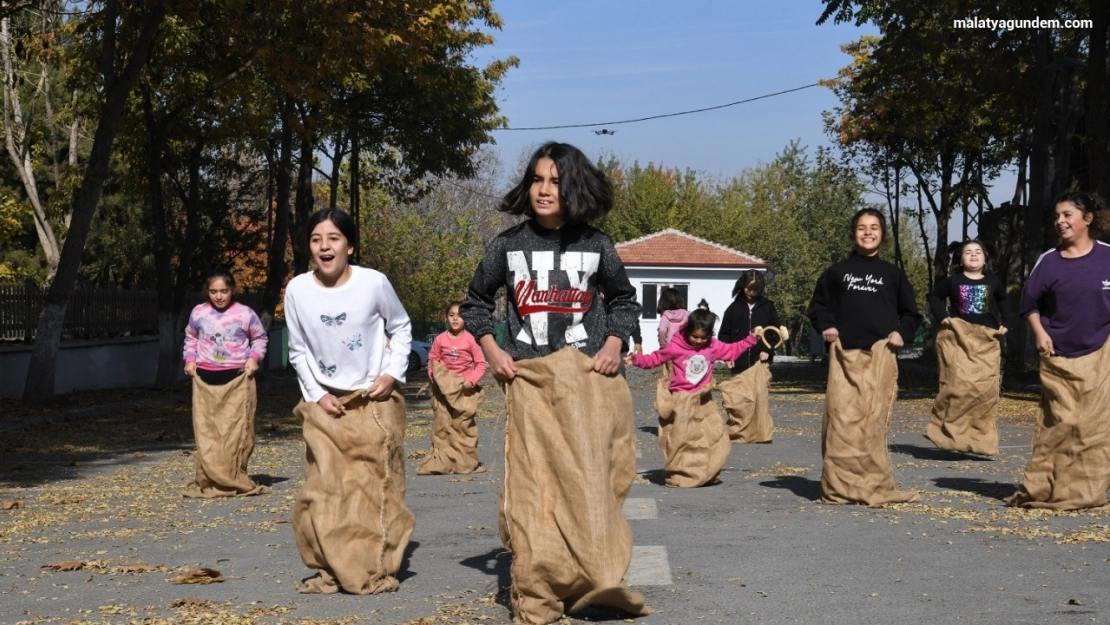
[{"x": 103, "y": 490}]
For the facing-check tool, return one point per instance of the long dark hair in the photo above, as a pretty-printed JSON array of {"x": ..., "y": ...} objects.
[
  {"x": 700, "y": 319},
  {"x": 746, "y": 278},
  {"x": 584, "y": 192},
  {"x": 670, "y": 298},
  {"x": 956, "y": 252}
]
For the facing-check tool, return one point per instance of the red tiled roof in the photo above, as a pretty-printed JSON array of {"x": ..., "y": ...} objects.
[{"x": 674, "y": 248}]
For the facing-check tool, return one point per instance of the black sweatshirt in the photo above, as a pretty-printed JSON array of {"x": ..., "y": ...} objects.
[
  {"x": 983, "y": 301},
  {"x": 865, "y": 298},
  {"x": 739, "y": 321},
  {"x": 553, "y": 281}
]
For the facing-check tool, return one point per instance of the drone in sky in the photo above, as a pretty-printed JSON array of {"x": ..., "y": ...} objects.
[{"x": 605, "y": 131}]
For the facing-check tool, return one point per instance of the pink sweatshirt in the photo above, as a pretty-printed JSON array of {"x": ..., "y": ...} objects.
[
  {"x": 671, "y": 321},
  {"x": 218, "y": 341},
  {"x": 693, "y": 368},
  {"x": 460, "y": 355}
]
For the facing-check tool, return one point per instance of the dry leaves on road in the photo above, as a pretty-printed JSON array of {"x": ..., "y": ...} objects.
[
  {"x": 190, "y": 603},
  {"x": 198, "y": 576},
  {"x": 65, "y": 565},
  {"x": 140, "y": 568},
  {"x": 11, "y": 505}
]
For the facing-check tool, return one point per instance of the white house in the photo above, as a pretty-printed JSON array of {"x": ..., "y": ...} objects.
[{"x": 700, "y": 268}]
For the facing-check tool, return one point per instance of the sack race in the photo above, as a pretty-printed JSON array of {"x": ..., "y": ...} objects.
[
  {"x": 223, "y": 424},
  {"x": 454, "y": 433},
  {"x": 859, "y": 402},
  {"x": 569, "y": 464},
  {"x": 692, "y": 436},
  {"x": 1070, "y": 466},
  {"x": 969, "y": 357},
  {"x": 350, "y": 519},
  {"x": 747, "y": 402}
]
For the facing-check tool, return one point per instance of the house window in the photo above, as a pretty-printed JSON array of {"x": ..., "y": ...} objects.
[{"x": 649, "y": 296}]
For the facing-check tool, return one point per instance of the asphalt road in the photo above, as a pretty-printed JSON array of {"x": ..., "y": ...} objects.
[{"x": 755, "y": 548}]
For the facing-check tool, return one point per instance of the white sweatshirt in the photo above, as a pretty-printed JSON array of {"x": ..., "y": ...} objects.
[{"x": 337, "y": 335}]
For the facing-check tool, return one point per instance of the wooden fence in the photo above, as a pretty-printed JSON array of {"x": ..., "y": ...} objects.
[{"x": 92, "y": 313}]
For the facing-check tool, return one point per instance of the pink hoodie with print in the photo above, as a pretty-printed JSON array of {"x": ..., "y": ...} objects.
[
  {"x": 693, "y": 368},
  {"x": 670, "y": 323}
]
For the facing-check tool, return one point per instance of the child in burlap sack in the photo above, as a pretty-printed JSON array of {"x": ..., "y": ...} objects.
[
  {"x": 692, "y": 435},
  {"x": 350, "y": 519},
  {"x": 569, "y": 455},
  {"x": 747, "y": 394},
  {"x": 865, "y": 308},
  {"x": 1067, "y": 303},
  {"x": 973, "y": 312},
  {"x": 455, "y": 365},
  {"x": 224, "y": 342}
]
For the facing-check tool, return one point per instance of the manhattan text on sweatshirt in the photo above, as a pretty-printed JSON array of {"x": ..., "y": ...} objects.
[{"x": 554, "y": 280}]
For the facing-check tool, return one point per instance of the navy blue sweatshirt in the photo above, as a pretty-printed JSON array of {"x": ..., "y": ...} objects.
[
  {"x": 865, "y": 298},
  {"x": 553, "y": 279}
]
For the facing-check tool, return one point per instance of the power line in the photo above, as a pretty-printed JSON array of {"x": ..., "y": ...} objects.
[{"x": 644, "y": 119}]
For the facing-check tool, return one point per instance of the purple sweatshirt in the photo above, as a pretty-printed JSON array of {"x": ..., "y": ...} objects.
[
  {"x": 1072, "y": 296},
  {"x": 693, "y": 368}
]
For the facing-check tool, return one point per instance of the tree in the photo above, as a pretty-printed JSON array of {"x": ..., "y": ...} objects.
[
  {"x": 650, "y": 199},
  {"x": 1020, "y": 86},
  {"x": 430, "y": 247},
  {"x": 40, "y": 138},
  {"x": 952, "y": 142},
  {"x": 395, "y": 75},
  {"x": 124, "y": 35}
]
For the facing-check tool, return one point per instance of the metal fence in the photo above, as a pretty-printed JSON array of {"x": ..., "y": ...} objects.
[{"x": 91, "y": 313}]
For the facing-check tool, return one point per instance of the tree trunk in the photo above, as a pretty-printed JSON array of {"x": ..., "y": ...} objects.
[
  {"x": 39, "y": 386},
  {"x": 894, "y": 207},
  {"x": 163, "y": 254},
  {"x": 276, "y": 265},
  {"x": 17, "y": 138},
  {"x": 1039, "y": 180},
  {"x": 303, "y": 205},
  {"x": 1098, "y": 101},
  {"x": 356, "y": 190},
  {"x": 336, "y": 166},
  {"x": 924, "y": 234},
  {"x": 172, "y": 315}
]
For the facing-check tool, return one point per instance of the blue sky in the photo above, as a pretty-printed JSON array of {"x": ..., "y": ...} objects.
[{"x": 603, "y": 60}]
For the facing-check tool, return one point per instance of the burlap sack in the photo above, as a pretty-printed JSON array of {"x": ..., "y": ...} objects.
[
  {"x": 1070, "y": 466},
  {"x": 747, "y": 402},
  {"x": 569, "y": 464},
  {"x": 350, "y": 519},
  {"x": 964, "y": 413},
  {"x": 692, "y": 436},
  {"x": 454, "y": 433},
  {"x": 859, "y": 402},
  {"x": 223, "y": 424}
]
